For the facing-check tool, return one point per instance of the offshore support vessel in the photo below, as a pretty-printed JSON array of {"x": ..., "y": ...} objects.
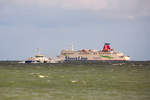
[
  {"x": 107, "y": 54},
  {"x": 38, "y": 58}
]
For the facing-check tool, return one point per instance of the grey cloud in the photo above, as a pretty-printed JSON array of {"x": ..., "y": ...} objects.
[{"x": 113, "y": 8}]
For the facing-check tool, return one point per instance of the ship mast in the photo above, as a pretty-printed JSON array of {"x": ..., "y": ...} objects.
[
  {"x": 38, "y": 50},
  {"x": 72, "y": 47}
]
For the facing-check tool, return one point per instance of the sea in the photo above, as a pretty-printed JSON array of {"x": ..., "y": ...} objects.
[{"x": 75, "y": 81}]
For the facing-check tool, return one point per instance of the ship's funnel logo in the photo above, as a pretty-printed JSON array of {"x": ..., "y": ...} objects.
[{"x": 107, "y": 47}]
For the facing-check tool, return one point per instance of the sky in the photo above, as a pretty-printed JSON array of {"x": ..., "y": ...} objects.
[{"x": 52, "y": 25}]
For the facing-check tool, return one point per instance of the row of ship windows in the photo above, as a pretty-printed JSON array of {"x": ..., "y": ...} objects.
[{"x": 99, "y": 53}]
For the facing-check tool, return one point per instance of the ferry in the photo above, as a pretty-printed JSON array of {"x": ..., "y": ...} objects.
[{"x": 106, "y": 54}]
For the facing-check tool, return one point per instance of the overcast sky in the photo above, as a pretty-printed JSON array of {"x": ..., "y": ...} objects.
[{"x": 52, "y": 25}]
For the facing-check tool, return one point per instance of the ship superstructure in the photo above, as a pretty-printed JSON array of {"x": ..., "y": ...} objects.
[{"x": 93, "y": 55}]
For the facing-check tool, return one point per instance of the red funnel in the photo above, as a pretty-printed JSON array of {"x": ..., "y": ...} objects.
[{"x": 107, "y": 47}]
